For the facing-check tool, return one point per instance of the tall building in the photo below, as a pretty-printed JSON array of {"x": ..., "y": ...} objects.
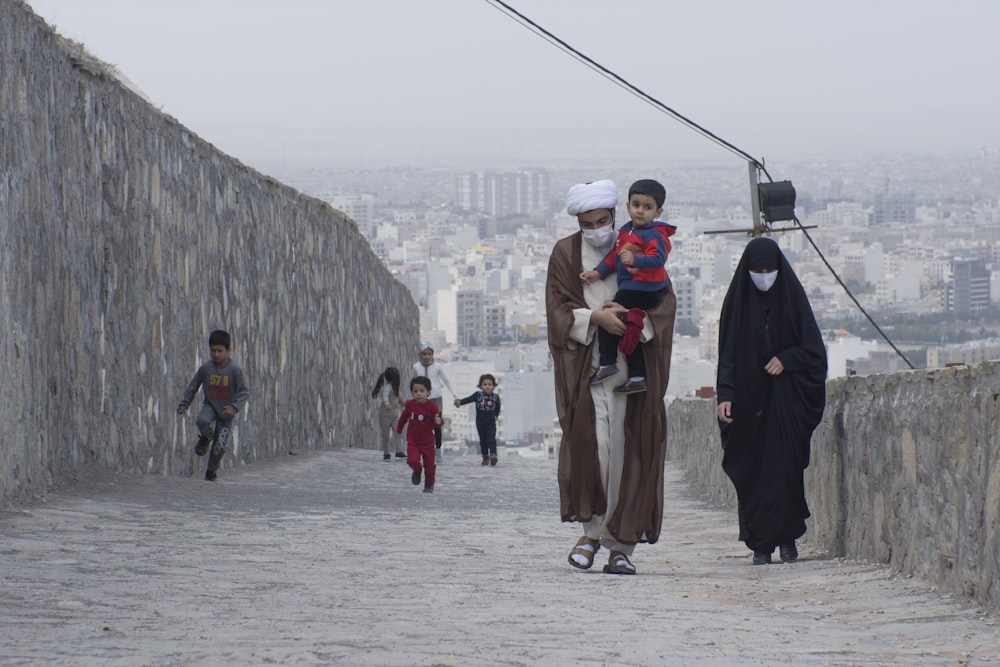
[
  {"x": 500, "y": 193},
  {"x": 496, "y": 324},
  {"x": 687, "y": 290},
  {"x": 470, "y": 323},
  {"x": 969, "y": 289}
]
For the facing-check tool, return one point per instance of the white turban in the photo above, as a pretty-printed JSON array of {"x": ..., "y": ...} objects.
[{"x": 591, "y": 196}]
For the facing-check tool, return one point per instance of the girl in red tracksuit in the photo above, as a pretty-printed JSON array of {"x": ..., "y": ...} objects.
[
  {"x": 420, "y": 416},
  {"x": 637, "y": 259}
]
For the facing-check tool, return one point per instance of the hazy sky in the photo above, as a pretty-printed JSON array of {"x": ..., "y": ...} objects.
[{"x": 379, "y": 82}]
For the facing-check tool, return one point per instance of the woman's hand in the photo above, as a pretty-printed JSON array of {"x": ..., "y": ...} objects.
[
  {"x": 774, "y": 367},
  {"x": 725, "y": 412}
]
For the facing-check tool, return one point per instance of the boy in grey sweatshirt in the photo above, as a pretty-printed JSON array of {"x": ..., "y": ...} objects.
[{"x": 225, "y": 393}]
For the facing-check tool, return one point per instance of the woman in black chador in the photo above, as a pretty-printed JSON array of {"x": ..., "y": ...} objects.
[{"x": 772, "y": 388}]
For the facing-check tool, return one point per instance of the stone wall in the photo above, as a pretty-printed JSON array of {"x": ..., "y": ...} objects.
[
  {"x": 124, "y": 240},
  {"x": 905, "y": 471}
]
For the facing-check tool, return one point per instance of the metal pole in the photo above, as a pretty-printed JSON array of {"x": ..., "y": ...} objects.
[{"x": 754, "y": 200}]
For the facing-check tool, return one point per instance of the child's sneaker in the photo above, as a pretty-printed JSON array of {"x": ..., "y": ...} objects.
[
  {"x": 486, "y": 460},
  {"x": 631, "y": 387},
  {"x": 201, "y": 448},
  {"x": 211, "y": 475},
  {"x": 429, "y": 488},
  {"x": 386, "y": 457},
  {"x": 603, "y": 374},
  {"x": 415, "y": 477},
  {"x": 493, "y": 459}
]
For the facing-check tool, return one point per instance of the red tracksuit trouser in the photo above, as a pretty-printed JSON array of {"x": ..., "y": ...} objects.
[{"x": 415, "y": 452}]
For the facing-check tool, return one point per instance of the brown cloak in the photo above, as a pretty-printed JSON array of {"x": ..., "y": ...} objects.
[{"x": 639, "y": 511}]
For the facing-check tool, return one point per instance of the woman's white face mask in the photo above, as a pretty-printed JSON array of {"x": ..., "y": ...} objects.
[
  {"x": 601, "y": 238},
  {"x": 763, "y": 281}
]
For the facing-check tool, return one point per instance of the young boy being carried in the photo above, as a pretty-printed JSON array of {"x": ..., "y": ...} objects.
[
  {"x": 637, "y": 259},
  {"x": 225, "y": 393}
]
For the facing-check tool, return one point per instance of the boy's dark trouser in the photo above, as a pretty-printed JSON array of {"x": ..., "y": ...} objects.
[
  {"x": 437, "y": 429},
  {"x": 217, "y": 430},
  {"x": 607, "y": 343},
  {"x": 487, "y": 438}
]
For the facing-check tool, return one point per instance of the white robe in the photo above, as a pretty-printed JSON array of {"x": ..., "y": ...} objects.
[{"x": 609, "y": 407}]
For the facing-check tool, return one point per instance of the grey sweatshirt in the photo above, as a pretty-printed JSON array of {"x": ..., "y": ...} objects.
[{"x": 223, "y": 385}]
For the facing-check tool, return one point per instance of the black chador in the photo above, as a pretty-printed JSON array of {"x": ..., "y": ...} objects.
[{"x": 773, "y": 416}]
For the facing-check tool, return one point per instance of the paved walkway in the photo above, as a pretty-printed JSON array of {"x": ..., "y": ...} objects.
[{"x": 334, "y": 558}]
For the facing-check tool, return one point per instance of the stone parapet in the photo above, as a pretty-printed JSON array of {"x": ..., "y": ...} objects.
[
  {"x": 124, "y": 240},
  {"x": 905, "y": 471}
]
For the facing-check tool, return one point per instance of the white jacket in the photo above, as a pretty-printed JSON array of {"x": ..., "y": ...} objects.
[{"x": 435, "y": 373}]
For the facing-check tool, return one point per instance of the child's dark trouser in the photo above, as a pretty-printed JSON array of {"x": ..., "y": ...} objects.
[
  {"x": 607, "y": 343},
  {"x": 437, "y": 429},
  {"x": 487, "y": 438},
  {"x": 219, "y": 445},
  {"x": 218, "y": 430}
]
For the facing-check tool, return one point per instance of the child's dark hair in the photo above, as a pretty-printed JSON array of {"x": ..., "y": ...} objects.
[
  {"x": 487, "y": 376},
  {"x": 650, "y": 188},
  {"x": 219, "y": 337},
  {"x": 424, "y": 382},
  {"x": 390, "y": 375}
]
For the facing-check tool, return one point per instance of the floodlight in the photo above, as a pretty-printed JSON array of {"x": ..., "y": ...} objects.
[{"x": 777, "y": 201}]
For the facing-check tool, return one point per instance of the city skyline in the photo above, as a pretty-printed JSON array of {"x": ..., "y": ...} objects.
[{"x": 457, "y": 82}]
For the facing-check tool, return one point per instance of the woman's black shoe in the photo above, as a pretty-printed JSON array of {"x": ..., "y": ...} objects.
[
  {"x": 761, "y": 558},
  {"x": 788, "y": 552}
]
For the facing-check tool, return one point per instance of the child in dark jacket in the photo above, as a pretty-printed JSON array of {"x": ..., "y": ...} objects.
[{"x": 487, "y": 413}]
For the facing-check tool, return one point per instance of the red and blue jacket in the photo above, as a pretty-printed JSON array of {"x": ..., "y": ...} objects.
[{"x": 650, "y": 245}]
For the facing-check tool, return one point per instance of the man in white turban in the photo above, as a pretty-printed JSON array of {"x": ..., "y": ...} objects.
[
  {"x": 592, "y": 197},
  {"x": 613, "y": 445}
]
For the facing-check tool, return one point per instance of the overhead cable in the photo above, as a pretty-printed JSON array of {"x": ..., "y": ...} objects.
[
  {"x": 623, "y": 83},
  {"x": 517, "y": 16}
]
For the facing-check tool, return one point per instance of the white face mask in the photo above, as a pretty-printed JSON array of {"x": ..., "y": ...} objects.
[
  {"x": 600, "y": 238},
  {"x": 763, "y": 281}
]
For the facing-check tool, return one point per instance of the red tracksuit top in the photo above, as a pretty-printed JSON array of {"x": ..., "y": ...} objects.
[{"x": 420, "y": 417}]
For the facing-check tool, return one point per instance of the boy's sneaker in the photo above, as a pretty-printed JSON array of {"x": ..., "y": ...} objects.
[
  {"x": 429, "y": 488},
  {"x": 201, "y": 448},
  {"x": 486, "y": 461},
  {"x": 211, "y": 475},
  {"x": 493, "y": 459},
  {"x": 400, "y": 455},
  {"x": 631, "y": 387},
  {"x": 415, "y": 477},
  {"x": 603, "y": 374},
  {"x": 386, "y": 457}
]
